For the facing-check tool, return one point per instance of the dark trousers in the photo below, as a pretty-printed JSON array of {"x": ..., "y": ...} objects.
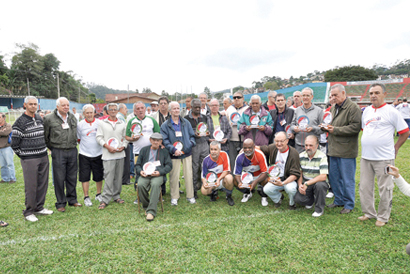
[
  {"x": 65, "y": 175},
  {"x": 131, "y": 159},
  {"x": 35, "y": 172},
  {"x": 317, "y": 190},
  {"x": 127, "y": 166},
  {"x": 259, "y": 188}
]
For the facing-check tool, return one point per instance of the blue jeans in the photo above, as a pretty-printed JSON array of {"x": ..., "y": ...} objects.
[
  {"x": 341, "y": 176},
  {"x": 7, "y": 164},
  {"x": 273, "y": 191}
]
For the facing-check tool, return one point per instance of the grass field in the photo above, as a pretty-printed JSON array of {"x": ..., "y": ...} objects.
[{"x": 202, "y": 238}]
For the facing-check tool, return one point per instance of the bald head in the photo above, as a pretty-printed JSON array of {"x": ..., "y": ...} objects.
[{"x": 248, "y": 147}]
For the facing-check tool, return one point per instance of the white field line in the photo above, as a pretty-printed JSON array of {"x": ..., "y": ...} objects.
[{"x": 140, "y": 229}]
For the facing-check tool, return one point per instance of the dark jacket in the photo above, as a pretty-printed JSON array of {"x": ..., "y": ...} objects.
[
  {"x": 187, "y": 139},
  {"x": 265, "y": 105},
  {"x": 4, "y": 135},
  {"x": 224, "y": 126},
  {"x": 194, "y": 123},
  {"x": 162, "y": 156},
  {"x": 288, "y": 118},
  {"x": 55, "y": 135},
  {"x": 292, "y": 166},
  {"x": 344, "y": 142}
]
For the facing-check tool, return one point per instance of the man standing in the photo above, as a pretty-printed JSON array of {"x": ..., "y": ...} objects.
[
  {"x": 111, "y": 136},
  {"x": 8, "y": 173},
  {"x": 404, "y": 109},
  {"x": 90, "y": 154},
  {"x": 60, "y": 131},
  {"x": 149, "y": 112},
  {"x": 252, "y": 161},
  {"x": 343, "y": 132},
  {"x": 232, "y": 113},
  {"x": 217, "y": 121},
  {"x": 218, "y": 163},
  {"x": 287, "y": 159},
  {"x": 126, "y": 176},
  {"x": 260, "y": 131},
  {"x": 204, "y": 106},
  {"x": 162, "y": 115},
  {"x": 160, "y": 158},
  {"x": 179, "y": 138},
  {"x": 187, "y": 108},
  {"x": 270, "y": 104},
  {"x": 314, "y": 118},
  {"x": 379, "y": 121},
  {"x": 297, "y": 99},
  {"x": 154, "y": 107},
  {"x": 282, "y": 116},
  {"x": 29, "y": 145},
  {"x": 312, "y": 186},
  {"x": 201, "y": 150},
  {"x": 77, "y": 115}
]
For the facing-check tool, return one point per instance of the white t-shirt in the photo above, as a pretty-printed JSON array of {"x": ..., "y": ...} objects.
[
  {"x": 77, "y": 116},
  {"x": 280, "y": 161},
  {"x": 86, "y": 133},
  {"x": 404, "y": 109},
  {"x": 147, "y": 130},
  {"x": 378, "y": 125}
]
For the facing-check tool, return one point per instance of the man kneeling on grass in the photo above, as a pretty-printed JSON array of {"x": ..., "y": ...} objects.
[
  {"x": 217, "y": 166},
  {"x": 161, "y": 160}
]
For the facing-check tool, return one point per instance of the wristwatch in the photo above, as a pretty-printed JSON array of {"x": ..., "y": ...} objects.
[{"x": 306, "y": 184}]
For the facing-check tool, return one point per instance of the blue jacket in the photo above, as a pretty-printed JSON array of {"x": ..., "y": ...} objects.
[{"x": 187, "y": 139}]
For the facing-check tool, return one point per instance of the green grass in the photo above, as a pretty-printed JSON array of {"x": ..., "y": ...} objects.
[{"x": 202, "y": 238}]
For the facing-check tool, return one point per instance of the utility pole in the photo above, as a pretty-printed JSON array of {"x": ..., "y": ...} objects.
[
  {"x": 79, "y": 94},
  {"x": 28, "y": 87},
  {"x": 58, "y": 86}
]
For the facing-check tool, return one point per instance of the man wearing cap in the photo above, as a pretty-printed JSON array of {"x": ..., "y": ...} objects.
[
  {"x": 154, "y": 107},
  {"x": 159, "y": 156},
  {"x": 218, "y": 163}
]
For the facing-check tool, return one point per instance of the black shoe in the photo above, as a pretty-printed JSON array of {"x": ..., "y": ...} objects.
[
  {"x": 181, "y": 192},
  {"x": 195, "y": 195},
  {"x": 277, "y": 205},
  {"x": 230, "y": 200},
  {"x": 292, "y": 207},
  {"x": 282, "y": 197},
  {"x": 333, "y": 206},
  {"x": 345, "y": 211},
  {"x": 214, "y": 196}
]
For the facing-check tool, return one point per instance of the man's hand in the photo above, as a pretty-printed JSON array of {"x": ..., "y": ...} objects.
[
  {"x": 296, "y": 129},
  {"x": 309, "y": 129},
  {"x": 136, "y": 137},
  {"x": 218, "y": 182},
  {"x": 248, "y": 128},
  {"x": 330, "y": 128},
  {"x": 302, "y": 189},
  {"x": 205, "y": 185},
  {"x": 207, "y": 133},
  {"x": 110, "y": 149},
  {"x": 224, "y": 141},
  {"x": 143, "y": 174},
  {"x": 120, "y": 149},
  {"x": 155, "y": 173},
  {"x": 394, "y": 171},
  {"x": 277, "y": 182},
  {"x": 252, "y": 185},
  {"x": 178, "y": 153},
  {"x": 261, "y": 128},
  {"x": 291, "y": 136}
]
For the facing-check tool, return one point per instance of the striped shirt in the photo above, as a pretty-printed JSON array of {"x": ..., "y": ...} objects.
[
  {"x": 256, "y": 165},
  {"x": 221, "y": 165},
  {"x": 314, "y": 167}
]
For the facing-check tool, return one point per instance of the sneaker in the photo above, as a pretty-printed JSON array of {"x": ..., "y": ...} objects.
[
  {"x": 174, "y": 202},
  {"x": 31, "y": 218},
  {"x": 45, "y": 211},
  {"x": 87, "y": 201},
  {"x": 191, "y": 200},
  {"x": 309, "y": 207},
  {"x": 292, "y": 207},
  {"x": 230, "y": 200},
  {"x": 246, "y": 197},
  {"x": 99, "y": 198},
  {"x": 136, "y": 202},
  {"x": 315, "y": 214},
  {"x": 264, "y": 201},
  {"x": 330, "y": 195}
]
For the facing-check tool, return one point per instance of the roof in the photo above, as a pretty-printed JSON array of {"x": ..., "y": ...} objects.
[{"x": 113, "y": 97}]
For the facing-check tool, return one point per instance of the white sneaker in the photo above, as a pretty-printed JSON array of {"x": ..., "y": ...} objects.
[
  {"x": 246, "y": 197},
  {"x": 191, "y": 200},
  {"x": 309, "y": 207},
  {"x": 136, "y": 202},
  {"x": 264, "y": 201},
  {"x": 315, "y": 214},
  {"x": 31, "y": 218},
  {"x": 174, "y": 202},
  {"x": 87, "y": 201},
  {"x": 99, "y": 198},
  {"x": 45, "y": 211},
  {"x": 330, "y": 195}
]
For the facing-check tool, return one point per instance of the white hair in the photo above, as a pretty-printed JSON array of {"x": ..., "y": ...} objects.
[
  {"x": 28, "y": 98},
  {"x": 173, "y": 103},
  {"x": 59, "y": 99},
  {"x": 295, "y": 92},
  {"x": 215, "y": 143},
  {"x": 256, "y": 97},
  {"x": 339, "y": 86},
  {"x": 88, "y": 106},
  {"x": 308, "y": 88}
]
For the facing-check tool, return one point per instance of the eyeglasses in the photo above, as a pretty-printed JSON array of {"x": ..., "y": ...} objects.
[
  {"x": 112, "y": 110},
  {"x": 237, "y": 97}
]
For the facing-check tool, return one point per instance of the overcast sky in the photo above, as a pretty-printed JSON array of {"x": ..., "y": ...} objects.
[{"x": 174, "y": 45}]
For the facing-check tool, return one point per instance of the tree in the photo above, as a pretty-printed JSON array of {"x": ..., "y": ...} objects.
[
  {"x": 207, "y": 91},
  {"x": 146, "y": 90},
  {"x": 271, "y": 86},
  {"x": 92, "y": 98},
  {"x": 350, "y": 73},
  {"x": 238, "y": 88}
]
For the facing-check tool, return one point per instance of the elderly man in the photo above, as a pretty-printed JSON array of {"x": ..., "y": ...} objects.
[
  {"x": 227, "y": 102},
  {"x": 218, "y": 163},
  {"x": 404, "y": 109},
  {"x": 179, "y": 138},
  {"x": 111, "y": 136},
  {"x": 160, "y": 158},
  {"x": 204, "y": 106},
  {"x": 314, "y": 116},
  {"x": 77, "y": 115},
  {"x": 343, "y": 131},
  {"x": 149, "y": 112},
  {"x": 30, "y": 146},
  {"x": 379, "y": 121},
  {"x": 232, "y": 113},
  {"x": 60, "y": 132},
  {"x": 8, "y": 173},
  {"x": 217, "y": 121},
  {"x": 260, "y": 130},
  {"x": 287, "y": 159},
  {"x": 127, "y": 174},
  {"x": 187, "y": 109},
  {"x": 312, "y": 185},
  {"x": 282, "y": 116},
  {"x": 90, "y": 154},
  {"x": 201, "y": 150},
  {"x": 289, "y": 102},
  {"x": 270, "y": 104},
  {"x": 154, "y": 107},
  {"x": 252, "y": 161},
  {"x": 297, "y": 100}
]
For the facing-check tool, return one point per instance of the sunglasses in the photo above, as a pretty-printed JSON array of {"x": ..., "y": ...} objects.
[{"x": 237, "y": 97}]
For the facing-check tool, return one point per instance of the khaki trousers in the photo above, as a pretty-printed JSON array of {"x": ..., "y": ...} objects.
[
  {"x": 368, "y": 170},
  {"x": 174, "y": 177}
]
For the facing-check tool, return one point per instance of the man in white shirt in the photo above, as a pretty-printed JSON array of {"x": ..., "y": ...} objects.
[
  {"x": 90, "y": 154},
  {"x": 77, "y": 115},
  {"x": 379, "y": 121},
  {"x": 404, "y": 109},
  {"x": 205, "y": 110}
]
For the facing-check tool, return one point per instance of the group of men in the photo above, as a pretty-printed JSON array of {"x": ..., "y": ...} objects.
[{"x": 271, "y": 148}]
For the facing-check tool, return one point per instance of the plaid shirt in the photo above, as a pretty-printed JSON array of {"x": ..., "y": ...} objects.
[{"x": 225, "y": 127}]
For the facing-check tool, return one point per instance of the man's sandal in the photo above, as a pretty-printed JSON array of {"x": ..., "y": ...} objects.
[
  {"x": 102, "y": 205},
  {"x": 119, "y": 201},
  {"x": 3, "y": 224}
]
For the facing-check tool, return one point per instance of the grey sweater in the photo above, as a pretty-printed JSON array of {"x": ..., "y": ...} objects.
[{"x": 315, "y": 115}]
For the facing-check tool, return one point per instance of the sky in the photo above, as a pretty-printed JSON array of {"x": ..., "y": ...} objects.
[{"x": 189, "y": 45}]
